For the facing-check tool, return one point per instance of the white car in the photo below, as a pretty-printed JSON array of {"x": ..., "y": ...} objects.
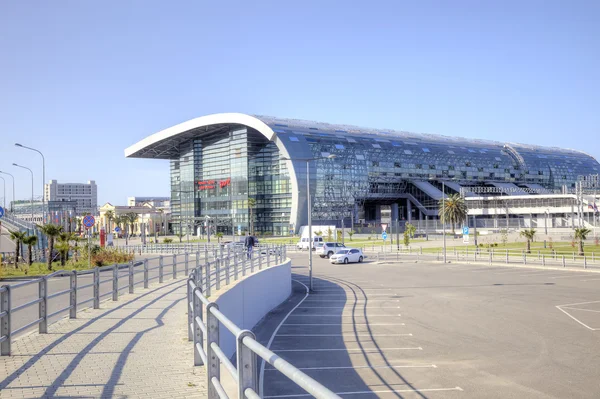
[
  {"x": 304, "y": 243},
  {"x": 347, "y": 255},
  {"x": 329, "y": 248}
]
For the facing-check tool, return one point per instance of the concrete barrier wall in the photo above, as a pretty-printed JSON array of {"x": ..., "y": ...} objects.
[{"x": 246, "y": 302}]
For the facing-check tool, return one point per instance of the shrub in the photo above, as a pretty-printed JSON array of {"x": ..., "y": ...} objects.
[{"x": 167, "y": 240}]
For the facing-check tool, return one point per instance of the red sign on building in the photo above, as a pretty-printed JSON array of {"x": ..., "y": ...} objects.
[{"x": 212, "y": 184}]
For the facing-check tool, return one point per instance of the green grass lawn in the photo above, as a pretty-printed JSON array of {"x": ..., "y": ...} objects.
[
  {"x": 560, "y": 248},
  {"x": 38, "y": 269}
]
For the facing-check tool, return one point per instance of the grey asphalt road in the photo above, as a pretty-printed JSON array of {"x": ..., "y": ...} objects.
[
  {"x": 6, "y": 245},
  {"x": 27, "y": 293},
  {"x": 428, "y": 330}
]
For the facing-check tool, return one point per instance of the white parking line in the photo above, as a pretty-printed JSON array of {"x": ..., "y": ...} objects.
[
  {"x": 591, "y": 279},
  {"x": 408, "y": 366},
  {"x": 575, "y": 318},
  {"x": 583, "y": 310},
  {"x": 416, "y": 390},
  {"x": 347, "y": 324},
  {"x": 342, "y": 335},
  {"x": 569, "y": 276},
  {"x": 418, "y": 348},
  {"x": 344, "y": 307},
  {"x": 338, "y": 315}
]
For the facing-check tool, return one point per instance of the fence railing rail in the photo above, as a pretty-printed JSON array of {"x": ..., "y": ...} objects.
[{"x": 205, "y": 319}]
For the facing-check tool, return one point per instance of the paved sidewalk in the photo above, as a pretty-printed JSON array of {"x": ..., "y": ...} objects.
[{"x": 134, "y": 348}]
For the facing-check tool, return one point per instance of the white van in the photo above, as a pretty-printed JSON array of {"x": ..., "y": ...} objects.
[{"x": 304, "y": 243}]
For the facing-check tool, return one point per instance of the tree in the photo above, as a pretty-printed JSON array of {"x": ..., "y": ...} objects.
[
  {"x": 581, "y": 234},
  {"x": 340, "y": 235},
  {"x": 30, "y": 241},
  {"x": 219, "y": 236},
  {"x": 132, "y": 217},
  {"x": 409, "y": 232},
  {"x": 251, "y": 205},
  {"x": 17, "y": 237},
  {"x": 529, "y": 234},
  {"x": 110, "y": 216},
  {"x": 329, "y": 233},
  {"x": 350, "y": 234},
  {"x": 318, "y": 233},
  {"x": 452, "y": 209},
  {"x": 51, "y": 231},
  {"x": 63, "y": 248}
]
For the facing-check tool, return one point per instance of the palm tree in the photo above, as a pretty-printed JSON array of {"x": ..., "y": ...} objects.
[
  {"x": 528, "y": 234},
  {"x": 51, "y": 231},
  {"x": 63, "y": 248},
  {"x": 110, "y": 216},
  {"x": 17, "y": 237},
  {"x": 581, "y": 234},
  {"x": 131, "y": 217},
  {"x": 64, "y": 238},
  {"x": 219, "y": 236},
  {"x": 452, "y": 209},
  {"x": 30, "y": 241}
]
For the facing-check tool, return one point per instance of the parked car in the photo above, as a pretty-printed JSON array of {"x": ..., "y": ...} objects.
[
  {"x": 347, "y": 255},
  {"x": 304, "y": 243},
  {"x": 329, "y": 248}
]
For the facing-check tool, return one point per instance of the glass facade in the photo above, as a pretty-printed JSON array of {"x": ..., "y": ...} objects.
[
  {"x": 220, "y": 167},
  {"x": 215, "y": 176}
]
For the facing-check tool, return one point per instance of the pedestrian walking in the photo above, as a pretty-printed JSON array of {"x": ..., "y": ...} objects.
[{"x": 249, "y": 244}]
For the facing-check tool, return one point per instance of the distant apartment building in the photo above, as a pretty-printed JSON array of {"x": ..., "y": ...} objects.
[
  {"x": 157, "y": 202},
  {"x": 85, "y": 195}
]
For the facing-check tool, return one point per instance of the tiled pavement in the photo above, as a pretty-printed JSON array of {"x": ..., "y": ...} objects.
[{"x": 134, "y": 348}]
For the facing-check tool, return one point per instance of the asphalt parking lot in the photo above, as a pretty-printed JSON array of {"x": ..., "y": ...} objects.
[{"x": 428, "y": 330}]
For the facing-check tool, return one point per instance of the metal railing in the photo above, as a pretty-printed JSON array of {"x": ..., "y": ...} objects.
[
  {"x": 487, "y": 255},
  {"x": 205, "y": 320},
  {"x": 105, "y": 281}
]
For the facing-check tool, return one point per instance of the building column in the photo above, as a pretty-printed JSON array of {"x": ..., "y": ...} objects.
[
  {"x": 395, "y": 215},
  {"x": 408, "y": 211}
]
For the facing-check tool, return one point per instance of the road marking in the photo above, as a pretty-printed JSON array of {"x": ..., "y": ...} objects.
[
  {"x": 591, "y": 279},
  {"x": 347, "y": 324},
  {"x": 408, "y": 366},
  {"x": 262, "y": 365},
  {"x": 418, "y": 348},
  {"x": 579, "y": 303},
  {"x": 352, "y": 300},
  {"x": 576, "y": 319},
  {"x": 344, "y": 335},
  {"x": 583, "y": 310},
  {"x": 339, "y": 315},
  {"x": 372, "y": 392},
  {"x": 542, "y": 275},
  {"x": 345, "y": 307}
]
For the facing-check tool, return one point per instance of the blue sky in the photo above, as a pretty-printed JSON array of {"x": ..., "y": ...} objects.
[{"x": 83, "y": 80}]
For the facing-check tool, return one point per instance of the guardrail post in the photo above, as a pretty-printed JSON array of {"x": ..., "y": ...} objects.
[
  {"x": 246, "y": 365},
  {"x": 187, "y": 263},
  {"x": 543, "y": 260},
  {"x": 190, "y": 307},
  {"x": 131, "y": 277},
  {"x": 563, "y": 261},
  {"x": 490, "y": 258},
  {"x": 213, "y": 368},
  {"x": 96, "y": 288},
  {"x": 507, "y": 256},
  {"x": 146, "y": 272},
  {"x": 205, "y": 253},
  {"x": 235, "y": 266},
  {"x": 43, "y": 306},
  {"x": 5, "y": 321},
  {"x": 198, "y": 334},
  {"x": 218, "y": 274},
  {"x": 244, "y": 261},
  {"x": 584, "y": 262},
  {"x": 160, "y": 269},
  {"x": 260, "y": 266},
  {"x": 573, "y": 256},
  {"x": 115, "y": 292},
  {"x": 174, "y": 267},
  {"x": 208, "y": 277},
  {"x": 73, "y": 294},
  {"x": 252, "y": 261},
  {"x": 524, "y": 258},
  {"x": 227, "y": 270}
]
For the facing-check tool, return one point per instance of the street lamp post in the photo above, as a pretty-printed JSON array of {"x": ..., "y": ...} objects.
[
  {"x": 13, "y": 190},
  {"x": 444, "y": 217},
  {"x": 30, "y": 171},
  {"x": 309, "y": 210},
  {"x": 43, "y": 180},
  {"x": 4, "y": 192}
]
